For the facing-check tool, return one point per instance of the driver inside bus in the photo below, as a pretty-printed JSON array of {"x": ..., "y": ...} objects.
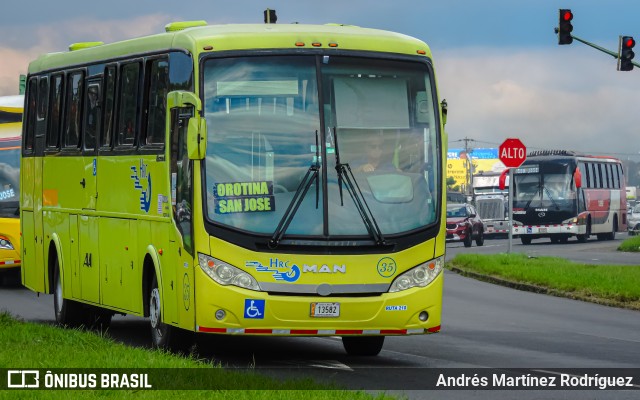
[{"x": 378, "y": 156}]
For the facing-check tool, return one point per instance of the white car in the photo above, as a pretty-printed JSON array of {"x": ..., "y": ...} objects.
[{"x": 633, "y": 220}]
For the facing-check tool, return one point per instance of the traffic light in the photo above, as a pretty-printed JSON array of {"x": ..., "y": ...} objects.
[
  {"x": 625, "y": 53},
  {"x": 565, "y": 27}
]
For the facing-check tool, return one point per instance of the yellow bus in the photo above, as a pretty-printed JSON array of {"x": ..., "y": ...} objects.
[
  {"x": 280, "y": 180},
  {"x": 10, "y": 130}
]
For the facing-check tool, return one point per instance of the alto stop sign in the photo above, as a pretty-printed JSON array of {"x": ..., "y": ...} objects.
[{"x": 512, "y": 153}]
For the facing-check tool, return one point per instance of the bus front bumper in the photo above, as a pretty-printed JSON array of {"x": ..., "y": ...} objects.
[
  {"x": 233, "y": 310},
  {"x": 551, "y": 229}
]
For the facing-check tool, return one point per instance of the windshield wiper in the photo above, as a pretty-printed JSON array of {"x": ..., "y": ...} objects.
[
  {"x": 551, "y": 197},
  {"x": 310, "y": 177},
  {"x": 345, "y": 174}
]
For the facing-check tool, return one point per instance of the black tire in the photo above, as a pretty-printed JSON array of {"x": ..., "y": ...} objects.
[
  {"x": 363, "y": 345},
  {"x": 554, "y": 239},
  {"x": 68, "y": 312},
  {"x": 165, "y": 336},
  {"x": 468, "y": 239},
  {"x": 585, "y": 237},
  {"x": 525, "y": 240},
  {"x": 612, "y": 235},
  {"x": 480, "y": 238}
]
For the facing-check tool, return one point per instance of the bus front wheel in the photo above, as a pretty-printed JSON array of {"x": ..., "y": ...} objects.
[
  {"x": 525, "y": 239},
  {"x": 363, "y": 345},
  {"x": 163, "y": 335},
  {"x": 585, "y": 237},
  {"x": 68, "y": 312}
]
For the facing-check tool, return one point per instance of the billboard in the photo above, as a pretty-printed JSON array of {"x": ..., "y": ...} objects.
[{"x": 481, "y": 159}]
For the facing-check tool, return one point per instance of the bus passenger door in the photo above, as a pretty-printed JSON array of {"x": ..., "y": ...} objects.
[{"x": 182, "y": 205}]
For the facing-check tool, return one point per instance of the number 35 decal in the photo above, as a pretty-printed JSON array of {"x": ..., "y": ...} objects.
[{"x": 386, "y": 267}]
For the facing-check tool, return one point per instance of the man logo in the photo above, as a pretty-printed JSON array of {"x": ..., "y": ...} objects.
[{"x": 324, "y": 269}]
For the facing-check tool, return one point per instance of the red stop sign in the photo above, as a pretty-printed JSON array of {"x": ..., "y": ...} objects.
[{"x": 512, "y": 153}]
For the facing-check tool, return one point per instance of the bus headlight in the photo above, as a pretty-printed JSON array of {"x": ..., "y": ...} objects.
[
  {"x": 226, "y": 274},
  {"x": 419, "y": 276},
  {"x": 5, "y": 243}
]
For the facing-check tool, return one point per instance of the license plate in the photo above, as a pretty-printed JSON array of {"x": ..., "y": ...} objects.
[
  {"x": 325, "y": 310},
  {"x": 542, "y": 230}
]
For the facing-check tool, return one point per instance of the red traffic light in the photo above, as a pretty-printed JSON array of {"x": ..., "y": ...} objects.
[
  {"x": 567, "y": 15},
  {"x": 629, "y": 42}
]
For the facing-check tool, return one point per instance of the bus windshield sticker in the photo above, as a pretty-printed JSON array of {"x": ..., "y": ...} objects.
[
  {"x": 140, "y": 175},
  {"x": 7, "y": 194},
  {"x": 244, "y": 197},
  {"x": 528, "y": 169}
]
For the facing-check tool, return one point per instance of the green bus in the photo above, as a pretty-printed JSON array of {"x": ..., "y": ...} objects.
[{"x": 217, "y": 179}]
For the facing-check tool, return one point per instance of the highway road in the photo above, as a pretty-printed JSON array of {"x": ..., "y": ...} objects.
[{"x": 484, "y": 326}]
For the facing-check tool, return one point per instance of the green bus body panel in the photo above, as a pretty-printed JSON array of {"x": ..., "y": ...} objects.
[{"x": 241, "y": 37}]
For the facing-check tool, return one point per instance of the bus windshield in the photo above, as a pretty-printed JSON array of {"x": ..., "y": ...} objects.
[
  {"x": 9, "y": 179},
  {"x": 271, "y": 119},
  {"x": 551, "y": 187}
]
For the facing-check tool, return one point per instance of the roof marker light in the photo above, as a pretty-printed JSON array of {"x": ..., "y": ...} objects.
[
  {"x": 422, "y": 52},
  {"x": 316, "y": 44},
  {"x": 299, "y": 44},
  {"x": 207, "y": 48},
  {"x": 333, "y": 44}
]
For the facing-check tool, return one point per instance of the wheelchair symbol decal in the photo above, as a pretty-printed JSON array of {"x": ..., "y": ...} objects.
[{"x": 254, "y": 309}]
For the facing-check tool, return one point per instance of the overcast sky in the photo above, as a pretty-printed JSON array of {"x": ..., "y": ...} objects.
[{"x": 498, "y": 62}]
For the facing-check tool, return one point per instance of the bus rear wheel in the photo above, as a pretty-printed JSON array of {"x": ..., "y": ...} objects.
[{"x": 363, "y": 345}]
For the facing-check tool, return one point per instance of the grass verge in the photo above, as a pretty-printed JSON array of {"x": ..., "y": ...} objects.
[
  {"x": 632, "y": 244},
  {"x": 35, "y": 346},
  {"x": 612, "y": 285}
]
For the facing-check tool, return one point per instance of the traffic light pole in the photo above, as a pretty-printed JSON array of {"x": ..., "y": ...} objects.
[{"x": 602, "y": 49}]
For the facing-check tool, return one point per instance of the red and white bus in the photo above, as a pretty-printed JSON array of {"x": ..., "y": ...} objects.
[{"x": 559, "y": 194}]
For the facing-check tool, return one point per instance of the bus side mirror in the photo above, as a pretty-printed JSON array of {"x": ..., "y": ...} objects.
[
  {"x": 502, "y": 182},
  {"x": 197, "y": 127},
  {"x": 197, "y": 138},
  {"x": 444, "y": 106},
  {"x": 577, "y": 178}
]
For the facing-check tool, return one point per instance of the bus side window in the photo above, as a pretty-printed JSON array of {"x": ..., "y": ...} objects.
[
  {"x": 73, "y": 110},
  {"x": 109, "y": 105},
  {"x": 30, "y": 117},
  {"x": 43, "y": 102},
  {"x": 156, "y": 94},
  {"x": 129, "y": 100},
  {"x": 92, "y": 115},
  {"x": 55, "y": 113}
]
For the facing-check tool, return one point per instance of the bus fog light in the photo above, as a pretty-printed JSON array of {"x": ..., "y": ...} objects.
[
  {"x": 423, "y": 316},
  {"x": 226, "y": 274},
  {"x": 419, "y": 276},
  {"x": 220, "y": 314}
]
